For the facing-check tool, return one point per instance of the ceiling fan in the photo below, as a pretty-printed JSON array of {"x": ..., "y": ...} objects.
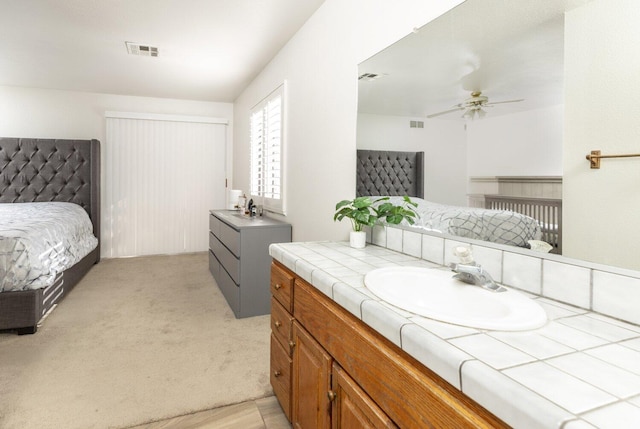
[{"x": 473, "y": 106}]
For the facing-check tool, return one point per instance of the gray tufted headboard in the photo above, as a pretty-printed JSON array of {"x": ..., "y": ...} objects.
[
  {"x": 33, "y": 170},
  {"x": 381, "y": 172}
]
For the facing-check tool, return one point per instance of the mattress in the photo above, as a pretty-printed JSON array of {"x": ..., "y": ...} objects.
[
  {"x": 40, "y": 240},
  {"x": 497, "y": 226}
]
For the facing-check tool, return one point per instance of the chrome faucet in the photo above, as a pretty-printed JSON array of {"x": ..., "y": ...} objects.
[{"x": 470, "y": 272}]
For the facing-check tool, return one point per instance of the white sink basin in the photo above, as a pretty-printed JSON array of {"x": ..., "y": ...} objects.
[{"x": 433, "y": 293}]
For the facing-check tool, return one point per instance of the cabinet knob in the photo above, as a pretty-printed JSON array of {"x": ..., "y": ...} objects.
[
  {"x": 278, "y": 323},
  {"x": 292, "y": 344},
  {"x": 277, "y": 373},
  {"x": 278, "y": 286},
  {"x": 332, "y": 395}
]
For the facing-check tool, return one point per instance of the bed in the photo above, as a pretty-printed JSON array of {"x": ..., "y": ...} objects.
[
  {"x": 395, "y": 174},
  {"x": 42, "y": 171},
  {"x": 547, "y": 211}
]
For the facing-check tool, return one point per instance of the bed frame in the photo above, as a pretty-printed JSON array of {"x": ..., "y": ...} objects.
[
  {"x": 391, "y": 173},
  {"x": 547, "y": 211},
  {"x": 33, "y": 170}
]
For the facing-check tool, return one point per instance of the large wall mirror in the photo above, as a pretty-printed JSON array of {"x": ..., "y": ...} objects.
[{"x": 414, "y": 96}]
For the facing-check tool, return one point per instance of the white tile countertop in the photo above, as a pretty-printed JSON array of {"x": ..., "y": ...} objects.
[{"x": 581, "y": 370}]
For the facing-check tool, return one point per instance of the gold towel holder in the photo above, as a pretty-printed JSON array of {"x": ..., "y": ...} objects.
[{"x": 594, "y": 157}]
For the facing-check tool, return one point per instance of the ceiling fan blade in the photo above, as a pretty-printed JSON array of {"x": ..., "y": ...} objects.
[
  {"x": 444, "y": 112},
  {"x": 506, "y": 101}
]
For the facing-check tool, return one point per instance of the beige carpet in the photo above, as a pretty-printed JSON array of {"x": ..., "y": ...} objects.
[{"x": 137, "y": 340}]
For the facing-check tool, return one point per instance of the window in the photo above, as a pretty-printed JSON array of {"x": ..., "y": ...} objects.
[{"x": 266, "y": 137}]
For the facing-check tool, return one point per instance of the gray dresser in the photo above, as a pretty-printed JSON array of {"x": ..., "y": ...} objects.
[{"x": 239, "y": 258}]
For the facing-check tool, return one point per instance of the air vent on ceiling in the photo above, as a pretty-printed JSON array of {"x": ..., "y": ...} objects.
[
  {"x": 142, "y": 50},
  {"x": 416, "y": 124},
  {"x": 371, "y": 76}
]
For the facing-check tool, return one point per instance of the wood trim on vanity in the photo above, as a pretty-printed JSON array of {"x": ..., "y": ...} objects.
[{"x": 411, "y": 394}]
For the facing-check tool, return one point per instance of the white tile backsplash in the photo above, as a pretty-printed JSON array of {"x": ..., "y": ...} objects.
[
  {"x": 379, "y": 236},
  {"x": 490, "y": 259},
  {"x": 433, "y": 249},
  {"x": 412, "y": 243},
  {"x": 567, "y": 283},
  {"x": 394, "y": 239},
  {"x": 522, "y": 272},
  {"x": 616, "y": 295}
]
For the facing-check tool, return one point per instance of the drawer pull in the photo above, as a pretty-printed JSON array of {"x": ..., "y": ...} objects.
[
  {"x": 277, "y": 373},
  {"x": 278, "y": 286},
  {"x": 278, "y": 323}
]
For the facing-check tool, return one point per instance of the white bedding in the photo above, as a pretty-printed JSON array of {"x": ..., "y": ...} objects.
[
  {"x": 39, "y": 240},
  {"x": 497, "y": 226}
]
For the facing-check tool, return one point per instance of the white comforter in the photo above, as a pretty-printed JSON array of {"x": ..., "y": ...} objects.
[
  {"x": 39, "y": 240},
  {"x": 497, "y": 226}
]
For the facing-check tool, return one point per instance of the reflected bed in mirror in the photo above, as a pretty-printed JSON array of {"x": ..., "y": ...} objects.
[{"x": 521, "y": 222}]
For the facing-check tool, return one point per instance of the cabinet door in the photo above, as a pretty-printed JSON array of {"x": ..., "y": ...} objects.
[
  {"x": 311, "y": 382},
  {"x": 281, "y": 375},
  {"x": 352, "y": 407}
]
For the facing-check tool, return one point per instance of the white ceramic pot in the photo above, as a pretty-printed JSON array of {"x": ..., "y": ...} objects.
[{"x": 358, "y": 239}]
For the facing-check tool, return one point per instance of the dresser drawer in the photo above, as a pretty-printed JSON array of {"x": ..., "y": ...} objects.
[
  {"x": 214, "y": 266},
  {"x": 280, "y": 377},
  {"x": 226, "y": 258},
  {"x": 282, "y": 287},
  {"x": 281, "y": 324},
  {"x": 230, "y": 238},
  {"x": 214, "y": 225},
  {"x": 230, "y": 290}
]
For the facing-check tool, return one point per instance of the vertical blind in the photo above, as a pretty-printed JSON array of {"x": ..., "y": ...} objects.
[
  {"x": 266, "y": 151},
  {"x": 161, "y": 178}
]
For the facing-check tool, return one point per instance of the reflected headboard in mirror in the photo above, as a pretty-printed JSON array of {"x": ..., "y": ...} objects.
[{"x": 383, "y": 172}]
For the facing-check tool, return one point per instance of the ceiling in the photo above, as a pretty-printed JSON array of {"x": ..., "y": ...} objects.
[
  {"x": 208, "y": 49},
  {"x": 506, "y": 49}
]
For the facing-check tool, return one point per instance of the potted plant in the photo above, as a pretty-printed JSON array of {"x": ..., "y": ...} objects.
[{"x": 363, "y": 211}]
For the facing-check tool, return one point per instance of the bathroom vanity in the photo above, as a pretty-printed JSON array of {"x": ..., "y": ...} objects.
[
  {"x": 329, "y": 369},
  {"x": 341, "y": 357}
]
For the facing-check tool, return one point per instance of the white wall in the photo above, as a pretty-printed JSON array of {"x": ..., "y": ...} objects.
[
  {"x": 42, "y": 113},
  {"x": 519, "y": 144},
  {"x": 444, "y": 144},
  {"x": 320, "y": 66},
  {"x": 602, "y": 85},
  {"x": 37, "y": 113}
]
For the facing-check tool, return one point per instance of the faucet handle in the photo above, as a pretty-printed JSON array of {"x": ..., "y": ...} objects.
[{"x": 464, "y": 254}]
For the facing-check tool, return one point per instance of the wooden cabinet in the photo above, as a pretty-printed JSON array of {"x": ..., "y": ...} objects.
[
  {"x": 310, "y": 382},
  {"x": 352, "y": 407},
  {"x": 346, "y": 375},
  {"x": 239, "y": 258},
  {"x": 281, "y": 287}
]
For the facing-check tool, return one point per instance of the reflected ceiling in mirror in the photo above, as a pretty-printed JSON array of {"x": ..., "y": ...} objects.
[{"x": 508, "y": 50}]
